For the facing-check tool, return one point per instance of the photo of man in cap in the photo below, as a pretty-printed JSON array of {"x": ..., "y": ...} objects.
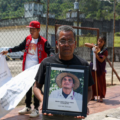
[
  {"x": 36, "y": 49},
  {"x": 67, "y": 82}
]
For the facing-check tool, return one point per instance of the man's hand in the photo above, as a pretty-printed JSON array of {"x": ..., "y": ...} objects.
[
  {"x": 4, "y": 52},
  {"x": 78, "y": 117},
  {"x": 82, "y": 117},
  {"x": 48, "y": 114}
]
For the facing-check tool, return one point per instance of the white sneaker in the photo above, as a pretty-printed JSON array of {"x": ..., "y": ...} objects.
[
  {"x": 26, "y": 110},
  {"x": 34, "y": 113}
]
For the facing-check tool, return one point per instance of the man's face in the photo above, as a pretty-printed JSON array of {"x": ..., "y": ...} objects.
[
  {"x": 67, "y": 82},
  {"x": 66, "y": 43},
  {"x": 34, "y": 32}
]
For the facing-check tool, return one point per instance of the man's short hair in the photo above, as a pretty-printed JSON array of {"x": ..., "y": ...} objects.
[
  {"x": 68, "y": 76},
  {"x": 65, "y": 28}
]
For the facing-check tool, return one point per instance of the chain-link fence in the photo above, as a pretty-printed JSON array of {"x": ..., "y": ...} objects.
[{"x": 15, "y": 15}]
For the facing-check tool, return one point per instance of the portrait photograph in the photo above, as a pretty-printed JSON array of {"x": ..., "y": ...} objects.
[{"x": 66, "y": 89}]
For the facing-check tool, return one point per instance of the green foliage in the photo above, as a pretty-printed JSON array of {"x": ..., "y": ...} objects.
[
  {"x": 117, "y": 34},
  {"x": 53, "y": 85},
  {"x": 93, "y": 39},
  {"x": 95, "y": 9},
  {"x": 118, "y": 8},
  {"x": 89, "y": 34},
  {"x": 12, "y": 8},
  {"x": 87, "y": 39},
  {"x": 99, "y": 14},
  {"x": 117, "y": 41}
]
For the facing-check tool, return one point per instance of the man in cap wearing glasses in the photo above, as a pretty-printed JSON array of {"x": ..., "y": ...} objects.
[
  {"x": 36, "y": 49},
  {"x": 67, "y": 82}
]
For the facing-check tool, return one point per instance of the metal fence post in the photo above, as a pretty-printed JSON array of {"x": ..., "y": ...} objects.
[
  {"x": 113, "y": 41},
  {"x": 47, "y": 19}
]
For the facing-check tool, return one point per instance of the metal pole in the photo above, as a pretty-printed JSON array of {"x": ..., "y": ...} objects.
[
  {"x": 77, "y": 29},
  {"x": 47, "y": 19},
  {"x": 56, "y": 50},
  {"x": 97, "y": 35},
  {"x": 113, "y": 40}
]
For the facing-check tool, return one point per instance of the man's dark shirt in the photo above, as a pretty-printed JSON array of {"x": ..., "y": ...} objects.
[{"x": 40, "y": 76}]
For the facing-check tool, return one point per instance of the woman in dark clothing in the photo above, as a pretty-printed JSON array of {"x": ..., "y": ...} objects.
[{"x": 101, "y": 54}]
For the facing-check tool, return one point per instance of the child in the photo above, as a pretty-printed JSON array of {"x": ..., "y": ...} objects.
[
  {"x": 101, "y": 54},
  {"x": 36, "y": 49}
]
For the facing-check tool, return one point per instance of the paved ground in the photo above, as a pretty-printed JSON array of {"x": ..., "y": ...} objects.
[
  {"x": 111, "y": 114},
  {"x": 16, "y": 68},
  {"x": 112, "y": 100},
  {"x": 98, "y": 111},
  {"x": 109, "y": 71}
]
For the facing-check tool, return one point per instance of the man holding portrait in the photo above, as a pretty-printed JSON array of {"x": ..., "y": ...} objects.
[{"x": 66, "y": 44}]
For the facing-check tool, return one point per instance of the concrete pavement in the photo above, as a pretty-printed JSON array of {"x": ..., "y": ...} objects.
[
  {"x": 111, "y": 114},
  {"x": 108, "y": 110}
]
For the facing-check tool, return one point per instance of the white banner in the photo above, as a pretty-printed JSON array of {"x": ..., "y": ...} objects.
[
  {"x": 14, "y": 89},
  {"x": 94, "y": 59},
  {"x": 5, "y": 74}
]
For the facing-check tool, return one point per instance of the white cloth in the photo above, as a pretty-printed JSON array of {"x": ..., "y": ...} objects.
[
  {"x": 12, "y": 90},
  {"x": 94, "y": 59},
  {"x": 32, "y": 56},
  {"x": 5, "y": 74},
  {"x": 72, "y": 96}
]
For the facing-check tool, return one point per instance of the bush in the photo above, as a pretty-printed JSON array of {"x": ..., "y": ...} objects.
[
  {"x": 89, "y": 34},
  {"x": 117, "y": 34}
]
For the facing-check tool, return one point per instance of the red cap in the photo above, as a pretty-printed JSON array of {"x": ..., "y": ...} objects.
[{"x": 34, "y": 24}]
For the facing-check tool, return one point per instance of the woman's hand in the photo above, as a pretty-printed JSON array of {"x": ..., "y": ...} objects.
[
  {"x": 97, "y": 49},
  {"x": 95, "y": 52}
]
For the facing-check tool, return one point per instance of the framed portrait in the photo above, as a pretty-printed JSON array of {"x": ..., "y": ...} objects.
[{"x": 66, "y": 89}]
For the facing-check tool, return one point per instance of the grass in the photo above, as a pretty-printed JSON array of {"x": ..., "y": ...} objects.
[
  {"x": 83, "y": 40},
  {"x": 117, "y": 41}
]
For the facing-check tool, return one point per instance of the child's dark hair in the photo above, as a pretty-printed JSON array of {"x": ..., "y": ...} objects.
[{"x": 103, "y": 38}]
